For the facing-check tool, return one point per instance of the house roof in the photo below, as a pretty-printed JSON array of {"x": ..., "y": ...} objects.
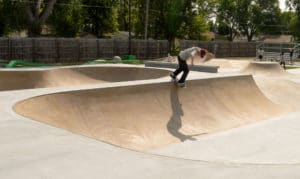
[{"x": 276, "y": 38}]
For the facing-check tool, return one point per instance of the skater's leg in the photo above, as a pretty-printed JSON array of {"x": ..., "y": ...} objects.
[
  {"x": 180, "y": 67},
  {"x": 185, "y": 72}
]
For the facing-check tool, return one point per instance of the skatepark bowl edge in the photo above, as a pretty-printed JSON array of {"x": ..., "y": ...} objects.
[
  {"x": 149, "y": 116},
  {"x": 74, "y": 76},
  {"x": 128, "y": 121}
]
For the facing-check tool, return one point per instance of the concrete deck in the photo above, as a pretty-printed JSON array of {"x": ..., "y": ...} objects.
[{"x": 31, "y": 149}]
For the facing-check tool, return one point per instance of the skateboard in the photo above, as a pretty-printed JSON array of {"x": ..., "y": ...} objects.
[{"x": 175, "y": 81}]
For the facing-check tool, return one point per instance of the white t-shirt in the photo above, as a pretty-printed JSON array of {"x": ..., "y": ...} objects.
[{"x": 187, "y": 53}]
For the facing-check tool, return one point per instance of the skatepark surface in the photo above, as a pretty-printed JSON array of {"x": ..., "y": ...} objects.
[
  {"x": 72, "y": 76},
  {"x": 232, "y": 124}
]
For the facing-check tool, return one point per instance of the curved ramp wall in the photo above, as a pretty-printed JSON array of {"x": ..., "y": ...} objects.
[
  {"x": 265, "y": 69},
  {"x": 149, "y": 116},
  {"x": 15, "y": 80}
]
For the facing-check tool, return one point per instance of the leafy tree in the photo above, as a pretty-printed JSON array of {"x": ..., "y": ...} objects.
[
  {"x": 123, "y": 13},
  {"x": 171, "y": 19},
  {"x": 194, "y": 30},
  {"x": 67, "y": 20},
  {"x": 11, "y": 16},
  {"x": 37, "y": 12},
  {"x": 2, "y": 19},
  {"x": 227, "y": 18},
  {"x": 249, "y": 18},
  {"x": 295, "y": 5},
  {"x": 196, "y": 18},
  {"x": 100, "y": 16},
  {"x": 270, "y": 21}
]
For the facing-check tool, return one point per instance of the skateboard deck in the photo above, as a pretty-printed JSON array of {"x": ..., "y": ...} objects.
[{"x": 175, "y": 81}]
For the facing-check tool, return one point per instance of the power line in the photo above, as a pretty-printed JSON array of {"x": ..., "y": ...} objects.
[
  {"x": 65, "y": 4},
  {"x": 96, "y": 6}
]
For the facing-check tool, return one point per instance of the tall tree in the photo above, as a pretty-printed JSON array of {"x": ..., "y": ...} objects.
[
  {"x": 100, "y": 16},
  {"x": 123, "y": 6},
  {"x": 67, "y": 18},
  {"x": 11, "y": 16},
  {"x": 288, "y": 21},
  {"x": 2, "y": 19},
  {"x": 270, "y": 21},
  {"x": 227, "y": 18},
  {"x": 295, "y": 5},
  {"x": 249, "y": 18},
  {"x": 171, "y": 19},
  {"x": 196, "y": 15},
  {"x": 38, "y": 11}
]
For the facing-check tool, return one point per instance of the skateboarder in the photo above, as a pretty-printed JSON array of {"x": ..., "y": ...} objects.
[
  {"x": 182, "y": 65},
  {"x": 282, "y": 60},
  {"x": 291, "y": 55}
]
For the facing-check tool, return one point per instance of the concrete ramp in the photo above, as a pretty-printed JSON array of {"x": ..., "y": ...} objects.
[
  {"x": 200, "y": 68},
  {"x": 149, "y": 116},
  {"x": 280, "y": 91},
  {"x": 265, "y": 69},
  {"x": 28, "y": 79},
  {"x": 227, "y": 64}
]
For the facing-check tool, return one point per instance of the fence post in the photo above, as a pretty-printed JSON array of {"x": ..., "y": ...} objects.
[
  {"x": 9, "y": 49},
  {"x": 33, "y": 52},
  {"x": 215, "y": 48},
  {"x": 98, "y": 48},
  {"x": 78, "y": 50},
  {"x": 57, "y": 50}
]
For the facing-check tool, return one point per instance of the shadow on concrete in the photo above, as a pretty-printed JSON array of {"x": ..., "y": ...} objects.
[{"x": 175, "y": 122}]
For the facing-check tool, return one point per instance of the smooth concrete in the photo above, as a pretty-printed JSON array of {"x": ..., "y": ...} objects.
[
  {"x": 143, "y": 117},
  {"x": 31, "y": 149},
  {"x": 200, "y": 68},
  {"x": 14, "y": 79}
]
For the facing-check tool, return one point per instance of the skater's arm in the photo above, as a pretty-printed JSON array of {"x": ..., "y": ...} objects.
[{"x": 192, "y": 61}]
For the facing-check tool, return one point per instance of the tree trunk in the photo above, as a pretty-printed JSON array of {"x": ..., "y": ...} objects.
[
  {"x": 172, "y": 47},
  {"x": 37, "y": 16},
  {"x": 34, "y": 29}
]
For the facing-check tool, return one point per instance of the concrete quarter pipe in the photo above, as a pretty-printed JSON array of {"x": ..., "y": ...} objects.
[
  {"x": 148, "y": 116},
  {"x": 276, "y": 83}
]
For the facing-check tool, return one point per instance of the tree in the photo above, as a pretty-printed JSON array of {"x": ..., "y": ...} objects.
[
  {"x": 227, "y": 18},
  {"x": 288, "y": 21},
  {"x": 196, "y": 17},
  {"x": 195, "y": 29},
  {"x": 11, "y": 16},
  {"x": 38, "y": 11},
  {"x": 2, "y": 19},
  {"x": 67, "y": 19},
  {"x": 270, "y": 20},
  {"x": 100, "y": 16},
  {"x": 295, "y": 26},
  {"x": 171, "y": 19},
  {"x": 249, "y": 18}
]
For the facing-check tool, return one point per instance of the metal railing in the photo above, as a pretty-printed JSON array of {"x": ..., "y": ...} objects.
[{"x": 272, "y": 51}]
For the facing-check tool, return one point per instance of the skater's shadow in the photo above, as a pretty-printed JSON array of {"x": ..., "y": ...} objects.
[{"x": 175, "y": 122}]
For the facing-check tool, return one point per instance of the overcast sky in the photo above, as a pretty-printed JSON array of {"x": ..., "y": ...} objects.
[{"x": 282, "y": 4}]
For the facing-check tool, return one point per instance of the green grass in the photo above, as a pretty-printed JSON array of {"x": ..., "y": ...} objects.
[{"x": 290, "y": 67}]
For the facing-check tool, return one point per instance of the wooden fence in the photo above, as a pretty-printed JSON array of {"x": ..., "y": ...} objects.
[
  {"x": 50, "y": 50},
  {"x": 223, "y": 49},
  {"x": 71, "y": 49}
]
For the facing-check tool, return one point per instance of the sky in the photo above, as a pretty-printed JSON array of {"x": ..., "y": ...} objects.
[{"x": 282, "y": 4}]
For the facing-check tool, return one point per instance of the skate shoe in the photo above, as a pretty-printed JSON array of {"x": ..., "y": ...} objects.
[
  {"x": 173, "y": 77},
  {"x": 182, "y": 85}
]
